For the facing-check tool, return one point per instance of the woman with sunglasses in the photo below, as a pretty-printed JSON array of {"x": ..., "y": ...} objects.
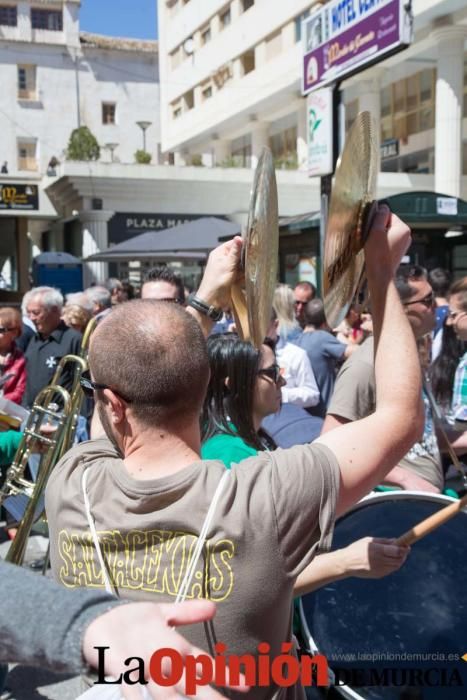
[{"x": 244, "y": 388}]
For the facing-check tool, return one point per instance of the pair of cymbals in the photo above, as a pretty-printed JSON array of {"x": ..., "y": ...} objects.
[{"x": 350, "y": 213}]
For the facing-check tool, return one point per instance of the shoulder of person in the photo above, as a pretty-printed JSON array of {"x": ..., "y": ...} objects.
[{"x": 81, "y": 456}]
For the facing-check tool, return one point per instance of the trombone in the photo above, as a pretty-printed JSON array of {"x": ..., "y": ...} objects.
[{"x": 56, "y": 441}]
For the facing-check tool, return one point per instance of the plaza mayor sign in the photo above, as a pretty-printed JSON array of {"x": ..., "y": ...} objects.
[{"x": 345, "y": 36}]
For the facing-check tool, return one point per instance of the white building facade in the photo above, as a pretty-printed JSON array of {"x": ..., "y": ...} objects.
[
  {"x": 55, "y": 79},
  {"x": 231, "y": 83}
]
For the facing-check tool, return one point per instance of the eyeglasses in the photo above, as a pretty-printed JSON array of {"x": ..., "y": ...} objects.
[
  {"x": 89, "y": 387},
  {"x": 427, "y": 301},
  {"x": 177, "y": 300},
  {"x": 4, "y": 329},
  {"x": 452, "y": 315},
  {"x": 273, "y": 372},
  {"x": 299, "y": 303}
]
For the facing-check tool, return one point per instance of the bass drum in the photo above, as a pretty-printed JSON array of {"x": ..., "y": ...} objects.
[{"x": 382, "y": 632}]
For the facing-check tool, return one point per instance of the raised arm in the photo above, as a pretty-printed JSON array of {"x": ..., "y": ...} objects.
[
  {"x": 367, "y": 449},
  {"x": 222, "y": 270}
]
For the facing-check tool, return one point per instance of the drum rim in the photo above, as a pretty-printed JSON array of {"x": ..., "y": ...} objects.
[{"x": 346, "y": 690}]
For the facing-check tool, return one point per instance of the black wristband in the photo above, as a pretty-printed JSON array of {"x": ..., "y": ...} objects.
[{"x": 212, "y": 312}]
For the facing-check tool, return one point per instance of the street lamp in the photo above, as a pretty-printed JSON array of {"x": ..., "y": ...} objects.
[
  {"x": 143, "y": 126},
  {"x": 111, "y": 147}
]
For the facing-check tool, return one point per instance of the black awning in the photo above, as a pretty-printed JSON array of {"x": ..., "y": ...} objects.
[
  {"x": 191, "y": 240},
  {"x": 429, "y": 209}
]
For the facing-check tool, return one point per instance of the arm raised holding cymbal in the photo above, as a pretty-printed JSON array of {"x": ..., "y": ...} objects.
[{"x": 367, "y": 449}]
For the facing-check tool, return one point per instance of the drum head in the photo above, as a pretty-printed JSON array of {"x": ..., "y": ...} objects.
[{"x": 419, "y": 610}]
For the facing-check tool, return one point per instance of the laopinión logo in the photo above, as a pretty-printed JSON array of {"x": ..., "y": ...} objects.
[{"x": 167, "y": 667}]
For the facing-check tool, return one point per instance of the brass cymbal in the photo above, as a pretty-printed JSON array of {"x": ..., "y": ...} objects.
[
  {"x": 252, "y": 303},
  {"x": 352, "y": 195}
]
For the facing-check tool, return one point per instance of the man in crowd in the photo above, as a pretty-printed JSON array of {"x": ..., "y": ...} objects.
[
  {"x": 163, "y": 284},
  {"x": 355, "y": 391},
  {"x": 440, "y": 281},
  {"x": 303, "y": 292},
  {"x": 101, "y": 301},
  {"x": 52, "y": 341},
  {"x": 115, "y": 287},
  {"x": 147, "y": 494},
  {"x": 324, "y": 352}
]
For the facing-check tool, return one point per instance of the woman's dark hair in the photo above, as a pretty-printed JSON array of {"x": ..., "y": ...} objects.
[
  {"x": 232, "y": 405},
  {"x": 443, "y": 369}
]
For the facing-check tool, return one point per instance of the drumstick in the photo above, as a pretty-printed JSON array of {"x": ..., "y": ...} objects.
[{"x": 429, "y": 524}]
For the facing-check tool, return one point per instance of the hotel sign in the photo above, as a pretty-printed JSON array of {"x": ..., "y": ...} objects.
[
  {"x": 345, "y": 36},
  {"x": 16, "y": 196}
]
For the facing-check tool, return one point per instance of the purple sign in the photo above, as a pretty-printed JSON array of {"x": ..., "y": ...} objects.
[{"x": 346, "y": 35}]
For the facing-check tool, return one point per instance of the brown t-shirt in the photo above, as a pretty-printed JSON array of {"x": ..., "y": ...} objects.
[
  {"x": 276, "y": 511},
  {"x": 354, "y": 397}
]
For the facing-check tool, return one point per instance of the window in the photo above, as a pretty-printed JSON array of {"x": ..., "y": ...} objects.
[
  {"x": 26, "y": 82},
  {"x": 189, "y": 99},
  {"x": 284, "y": 148},
  {"x": 298, "y": 25},
  {"x": 273, "y": 45},
  {"x": 408, "y": 106},
  {"x": 248, "y": 61},
  {"x": 241, "y": 152},
  {"x": 8, "y": 15},
  {"x": 176, "y": 58},
  {"x": 177, "y": 113},
  {"x": 246, "y": 4},
  {"x": 351, "y": 111},
  {"x": 205, "y": 35},
  {"x": 207, "y": 92},
  {"x": 47, "y": 19},
  {"x": 225, "y": 18},
  {"x": 27, "y": 158},
  {"x": 108, "y": 112}
]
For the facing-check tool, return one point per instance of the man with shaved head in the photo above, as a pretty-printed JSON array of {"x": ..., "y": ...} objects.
[{"x": 129, "y": 514}]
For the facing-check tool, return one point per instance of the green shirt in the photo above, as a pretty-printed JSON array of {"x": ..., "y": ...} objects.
[
  {"x": 9, "y": 442},
  {"x": 230, "y": 449}
]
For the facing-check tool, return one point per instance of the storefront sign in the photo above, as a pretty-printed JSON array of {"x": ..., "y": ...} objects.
[
  {"x": 16, "y": 196},
  {"x": 347, "y": 35},
  {"x": 319, "y": 112},
  {"x": 446, "y": 206},
  {"x": 389, "y": 149},
  {"x": 123, "y": 226}
]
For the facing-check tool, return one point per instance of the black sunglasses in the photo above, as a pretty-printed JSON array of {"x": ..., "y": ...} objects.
[
  {"x": 273, "y": 372},
  {"x": 89, "y": 387},
  {"x": 4, "y": 329},
  {"x": 427, "y": 301}
]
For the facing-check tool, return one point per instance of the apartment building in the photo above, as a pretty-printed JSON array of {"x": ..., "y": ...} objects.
[{"x": 231, "y": 83}]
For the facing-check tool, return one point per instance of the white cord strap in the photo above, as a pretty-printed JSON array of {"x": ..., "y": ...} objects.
[
  {"x": 108, "y": 585},
  {"x": 187, "y": 579}
]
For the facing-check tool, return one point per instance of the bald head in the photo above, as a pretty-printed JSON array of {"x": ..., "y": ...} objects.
[{"x": 153, "y": 354}]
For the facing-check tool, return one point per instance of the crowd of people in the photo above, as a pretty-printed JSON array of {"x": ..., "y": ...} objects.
[{"x": 209, "y": 457}]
